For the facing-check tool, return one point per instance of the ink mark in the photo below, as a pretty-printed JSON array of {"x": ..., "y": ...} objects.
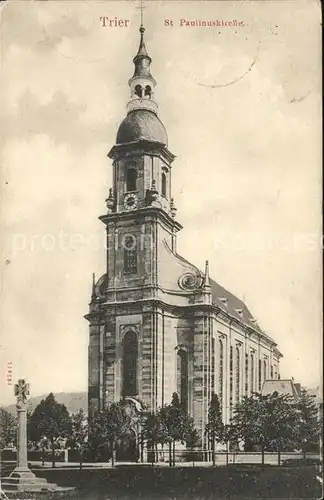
[{"x": 299, "y": 99}]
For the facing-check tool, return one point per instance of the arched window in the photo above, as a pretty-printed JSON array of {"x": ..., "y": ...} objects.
[
  {"x": 138, "y": 91},
  {"x": 131, "y": 178},
  {"x": 271, "y": 372},
  {"x": 231, "y": 380},
  {"x": 252, "y": 373},
  {"x": 148, "y": 91},
  {"x": 182, "y": 377},
  {"x": 246, "y": 374},
  {"x": 130, "y": 255},
  {"x": 220, "y": 377},
  {"x": 130, "y": 355},
  {"x": 237, "y": 375},
  {"x": 264, "y": 369},
  {"x": 164, "y": 185}
]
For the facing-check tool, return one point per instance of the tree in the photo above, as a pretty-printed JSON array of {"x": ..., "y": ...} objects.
[
  {"x": 230, "y": 437},
  {"x": 110, "y": 424},
  {"x": 50, "y": 420},
  {"x": 245, "y": 420},
  {"x": 308, "y": 424},
  {"x": 265, "y": 420},
  {"x": 282, "y": 433},
  {"x": 154, "y": 432},
  {"x": 176, "y": 423},
  {"x": 214, "y": 427},
  {"x": 79, "y": 434},
  {"x": 192, "y": 439},
  {"x": 8, "y": 429}
]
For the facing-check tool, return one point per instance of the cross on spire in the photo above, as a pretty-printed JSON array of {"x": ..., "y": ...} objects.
[
  {"x": 141, "y": 8},
  {"x": 142, "y": 50}
]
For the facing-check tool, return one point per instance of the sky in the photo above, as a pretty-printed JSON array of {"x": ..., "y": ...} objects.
[{"x": 241, "y": 106}]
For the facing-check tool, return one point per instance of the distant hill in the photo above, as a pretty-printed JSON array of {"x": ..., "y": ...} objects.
[{"x": 72, "y": 400}]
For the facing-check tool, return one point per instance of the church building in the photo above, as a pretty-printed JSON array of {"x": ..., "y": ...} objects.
[{"x": 158, "y": 324}]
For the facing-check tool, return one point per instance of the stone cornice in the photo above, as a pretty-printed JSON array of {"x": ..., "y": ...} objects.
[
  {"x": 194, "y": 308},
  {"x": 155, "y": 212},
  {"x": 143, "y": 146},
  {"x": 277, "y": 352}
]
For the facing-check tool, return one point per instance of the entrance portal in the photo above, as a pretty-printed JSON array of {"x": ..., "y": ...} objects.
[{"x": 126, "y": 448}]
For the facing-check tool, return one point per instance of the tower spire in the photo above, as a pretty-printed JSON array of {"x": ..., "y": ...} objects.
[
  {"x": 93, "y": 293},
  {"x": 141, "y": 49},
  {"x": 142, "y": 60},
  {"x": 206, "y": 277}
]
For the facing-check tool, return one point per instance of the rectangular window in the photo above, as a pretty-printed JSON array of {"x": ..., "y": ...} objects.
[
  {"x": 260, "y": 374},
  {"x": 130, "y": 261},
  {"x": 271, "y": 372}
]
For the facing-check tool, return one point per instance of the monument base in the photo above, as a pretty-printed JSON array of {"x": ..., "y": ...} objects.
[{"x": 23, "y": 479}]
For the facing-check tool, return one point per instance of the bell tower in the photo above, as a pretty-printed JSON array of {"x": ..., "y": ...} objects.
[
  {"x": 141, "y": 160},
  {"x": 141, "y": 187}
]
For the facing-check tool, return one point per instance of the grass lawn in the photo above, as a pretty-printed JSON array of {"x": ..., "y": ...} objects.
[{"x": 196, "y": 483}]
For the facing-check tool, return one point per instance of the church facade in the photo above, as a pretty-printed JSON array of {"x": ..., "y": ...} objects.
[{"x": 158, "y": 324}]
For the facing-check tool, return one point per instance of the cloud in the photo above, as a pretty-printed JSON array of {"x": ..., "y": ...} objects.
[
  {"x": 60, "y": 119},
  {"x": 38, "y": 29}
]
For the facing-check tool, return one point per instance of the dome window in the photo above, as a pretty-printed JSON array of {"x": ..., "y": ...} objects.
[
  {"x": 131, "y": 178},
  {"x": 148, "y": 91}
]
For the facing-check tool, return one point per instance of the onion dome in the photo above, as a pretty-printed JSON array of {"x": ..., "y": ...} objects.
[{"x": 141, "y": 124}]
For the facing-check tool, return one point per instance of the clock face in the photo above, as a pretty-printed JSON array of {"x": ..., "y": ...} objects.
[{"x": 130, "y": 201}]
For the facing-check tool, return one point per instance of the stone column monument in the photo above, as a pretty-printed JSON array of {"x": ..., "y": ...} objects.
[
  {"x": 22, "y": 478},
  {"x": 21, "y": 392}
]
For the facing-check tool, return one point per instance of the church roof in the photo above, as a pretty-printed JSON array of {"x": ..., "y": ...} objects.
[
  {"x": 233, "y": 305},
  {"x": 141, "y": 124},
  {"x": 229, "y": 303},
  {"x": 281, "y": 387}
]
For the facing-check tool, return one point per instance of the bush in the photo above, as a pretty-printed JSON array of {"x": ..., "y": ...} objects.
[
  {"x": 193, "y": 456},
  {"x": 301, "y": 461},
  {"x": 8, "y": 454}
]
